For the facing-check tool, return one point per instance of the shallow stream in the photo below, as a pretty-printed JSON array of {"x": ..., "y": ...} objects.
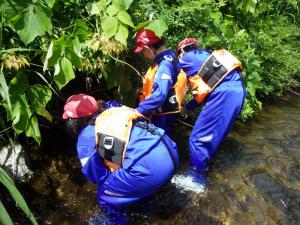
[{"x": 254, "y": 178}]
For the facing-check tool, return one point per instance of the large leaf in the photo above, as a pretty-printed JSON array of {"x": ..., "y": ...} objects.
[
  {"x": 19, "y": 84},
  {"x": 127, "y": 3},
  {"x": 29, "y": 20},
  {"x": 112, "y": 10},
  {"x": 95, "y": 8},
  {"x": 21, "y": 112},
  {"x": 64, "y": 73},
  {"x": 39, "y": 95},
  {"x": 50, "y": 3},
  {"x": 157, "y": 26},
  {"x": 5, "y": 218},
  {"x": 124, "y": 17},
  {"x": 9, "y": 184},
  {"x": 119, "y": 3},
  {"x": 81, "y": 30},
  {"x": 249, "y": 6},
  {"x": 54, "y": 53},
  {"x": 122, "y": 34},
  {"x": 110, "y": 26},
  {"x": 32, "y": 129},
  {"x": 64, "y": 46},
  {"x": 141, "y": 25}
]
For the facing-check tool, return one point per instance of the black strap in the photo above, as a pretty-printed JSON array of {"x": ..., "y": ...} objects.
[{"x": 155, "y": 132}]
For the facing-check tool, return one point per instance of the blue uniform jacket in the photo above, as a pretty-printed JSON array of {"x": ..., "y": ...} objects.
[
  {"x": 141, "y": 145},
  {"x": 165, "y": 78}
]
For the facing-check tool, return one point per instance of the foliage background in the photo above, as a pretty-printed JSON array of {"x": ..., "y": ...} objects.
[{"x": 47, "y": 43}]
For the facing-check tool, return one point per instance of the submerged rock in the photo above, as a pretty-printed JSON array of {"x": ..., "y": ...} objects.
[{"x": 15, "y": 162}]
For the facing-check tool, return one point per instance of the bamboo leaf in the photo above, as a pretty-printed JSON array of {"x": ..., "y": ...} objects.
[
  {"x": 8, "y": 183},
  {"x": 4, "y": 218}
]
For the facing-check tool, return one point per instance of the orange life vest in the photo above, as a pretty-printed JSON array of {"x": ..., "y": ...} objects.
[
  {"x": 212, "y": 72},
  {"x": 173, "y": 103},
  {"x": 112, "y": 131}
]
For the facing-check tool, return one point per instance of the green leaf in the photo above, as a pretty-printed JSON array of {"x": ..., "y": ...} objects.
[
  {"x": 119, "y": 3},
  {"x": 32, "y": 129},
  {"x": 4, "y": 92},
  {"x": 109, "y": 26},
  {"x": 112, "y": 10},
  {"x": 8, "y": 183},
  {"x": 50, "y": 3},
  {"x": 19, "y": 84},
  {"x": 4, "y": 218},
  {"x": 81, "y": 30},
  {"x": 249, "y": 6},
  {"x": 124, "y": 17},
  {"x": 21, "y": 112},
  {"x": 64, "y": 74},
  {"x": 158, "y": 27},
  {"x": 64, "y": 46},
  {"x": 92, "y": 8},
  {"x": 39, "y": 95},
  {"x": 122, "y": 34},
  {"x": 55, "y": 52},
  {"x": 141, "y": 25},
  {"x": 127, "y": 3},
  {"x": 34, "y": 21},
  {"x": 73, "y": 52}
]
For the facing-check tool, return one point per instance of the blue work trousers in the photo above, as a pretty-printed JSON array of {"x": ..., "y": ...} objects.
[{"x": 213, "y": 124}]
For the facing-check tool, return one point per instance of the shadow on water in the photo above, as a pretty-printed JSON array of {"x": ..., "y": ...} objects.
[{"x": 254, "y": 178}]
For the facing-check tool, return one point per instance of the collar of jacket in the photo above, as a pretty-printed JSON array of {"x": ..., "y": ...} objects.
[{"x": 167, "y": 54}]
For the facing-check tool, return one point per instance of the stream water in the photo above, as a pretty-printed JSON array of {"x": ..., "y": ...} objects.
[{"x": 254, "y": 178}]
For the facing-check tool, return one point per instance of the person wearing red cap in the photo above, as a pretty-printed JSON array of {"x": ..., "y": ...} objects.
[
  {"x": 158, "y": 96},
  {"x": 215, "y": 81},
  {"x": 122, "y": 153}
]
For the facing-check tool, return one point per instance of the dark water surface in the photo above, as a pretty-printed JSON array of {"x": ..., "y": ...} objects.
[{"x": 254, "y": 178}]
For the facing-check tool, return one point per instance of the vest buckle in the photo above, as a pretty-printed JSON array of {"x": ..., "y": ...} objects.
[
  {"x": 173, "y": 99},
  {"x": 108, "y": 142}
]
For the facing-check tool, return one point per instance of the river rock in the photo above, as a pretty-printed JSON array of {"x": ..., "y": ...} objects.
[{"x": 15, "y": 162}]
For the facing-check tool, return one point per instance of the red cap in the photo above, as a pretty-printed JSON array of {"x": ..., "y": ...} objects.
[
  {"x": 144, "y": 38},
  {"x": 186, "y": 42},
  {"x": 80, "y": 105}
]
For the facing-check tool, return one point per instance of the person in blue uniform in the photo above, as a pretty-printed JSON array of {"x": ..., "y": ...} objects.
[
  {"x": 158, "y": 81},
  {"x": 215, "y": 81},
  {"x": 148, "y": 161}
]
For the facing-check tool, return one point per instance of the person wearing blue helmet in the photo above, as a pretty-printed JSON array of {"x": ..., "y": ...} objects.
[
  {"x": 122, "y": 153},
  {"x": 162, "y": 92},
  {"x": 215, "y": 81}
]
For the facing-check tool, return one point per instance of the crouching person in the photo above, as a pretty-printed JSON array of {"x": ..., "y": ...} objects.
[{"x": 122, "y": 153}]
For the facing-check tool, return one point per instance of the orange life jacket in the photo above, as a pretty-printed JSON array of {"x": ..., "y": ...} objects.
[
  {"x": 112, "y": 131},
  {"x": 212, "y": 72},
  {"x": 175, "y": 97}
]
